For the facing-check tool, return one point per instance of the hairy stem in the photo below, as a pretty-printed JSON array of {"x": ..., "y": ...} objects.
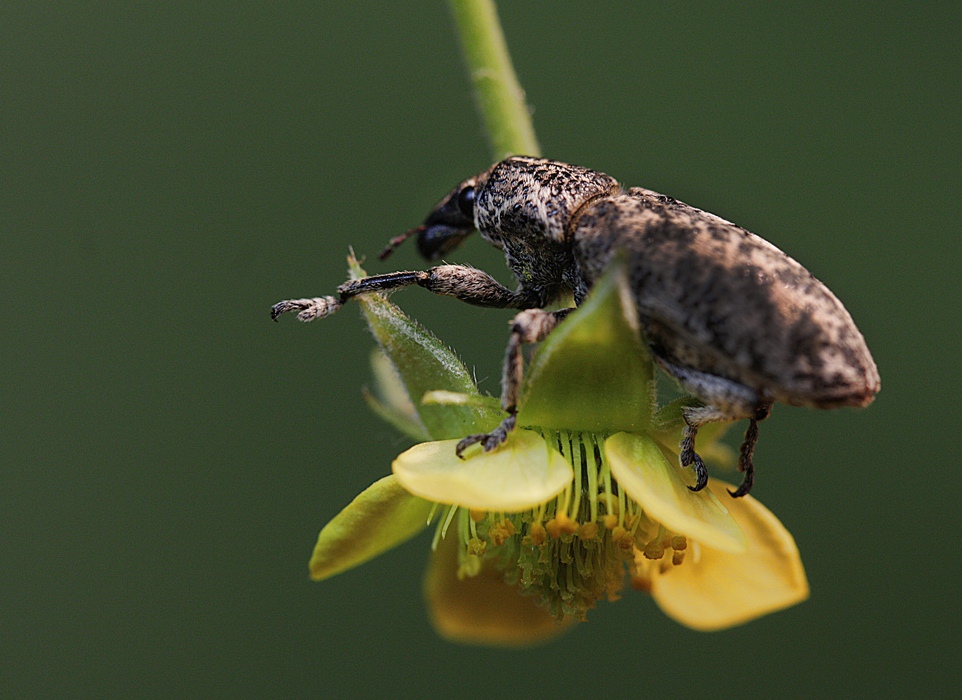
[{"x": 500, "y": 97}]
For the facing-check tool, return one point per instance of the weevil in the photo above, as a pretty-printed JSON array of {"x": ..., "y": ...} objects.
[{"x": 734, "y": 320}]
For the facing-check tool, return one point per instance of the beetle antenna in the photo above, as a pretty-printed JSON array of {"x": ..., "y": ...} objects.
[{"x": 398, "y": 240}]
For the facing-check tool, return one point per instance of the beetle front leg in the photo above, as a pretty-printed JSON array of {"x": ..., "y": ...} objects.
[
  {"x": 529, "y": 326},
  {"x": 468, "y": 284},
  {"x": 320, "y": 307}
]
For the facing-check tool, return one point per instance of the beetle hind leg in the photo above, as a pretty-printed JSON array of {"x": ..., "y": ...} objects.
[
  {"x": 689, "y": 458},
  {"x": 696, "y": 417},
  {"x": 727, "y": 400},
  {"x": 745, "y": 464},
  {"x": 746, "y": 452}
]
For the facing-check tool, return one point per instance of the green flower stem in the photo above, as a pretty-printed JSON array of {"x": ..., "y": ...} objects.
[{"x": 500, "y": 97}]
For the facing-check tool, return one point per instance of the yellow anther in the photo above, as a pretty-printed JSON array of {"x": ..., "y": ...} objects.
[
  {"x": 679, "y": 543},
  {"x": 478, "y": 515},
  {"x": 567, "y": 525},
  {"x": 621, "y": 537},
  {"x": 477, "y": 546},
  {"x": 500, "y": 532},
  {"x": 654, "y": 550},
  {"x": 611, "y": 521},
  {"x": 536, "y": 536},
  {"x": 553, "y": 528},
  {"x": 588, "y": 531},
  {"x": 470, "y": 567},
  {"x": 678, "y": 556}
]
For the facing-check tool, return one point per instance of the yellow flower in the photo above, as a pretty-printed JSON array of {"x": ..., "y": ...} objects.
[{"x": 586, "y": 493}]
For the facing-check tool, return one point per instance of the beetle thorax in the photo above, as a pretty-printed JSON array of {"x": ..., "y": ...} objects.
[{"x": 524, "y": 206}]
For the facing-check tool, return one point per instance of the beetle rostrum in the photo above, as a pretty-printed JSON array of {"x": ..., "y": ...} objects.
[{"x": 734, "y": 320}]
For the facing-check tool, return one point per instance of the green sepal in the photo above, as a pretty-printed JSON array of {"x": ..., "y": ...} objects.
[
  {"x": 450, "y": 398},
  {"x": 425, "y": 364},
  {"x": 412, "y": 428},
  {"x": 593, "y": 372},
  {"x": 389, "y": 399},
  {"x": 383, "y": 516}
]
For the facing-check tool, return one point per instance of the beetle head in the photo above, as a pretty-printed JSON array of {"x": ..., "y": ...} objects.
[{"x": 449, "y": 223}]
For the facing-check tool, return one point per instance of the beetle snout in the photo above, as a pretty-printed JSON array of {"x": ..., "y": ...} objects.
[
  {"x": 437, "y": 240},
  {"x": 445, "y": 228}
]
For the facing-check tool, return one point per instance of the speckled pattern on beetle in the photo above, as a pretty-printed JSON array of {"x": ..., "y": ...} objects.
[{"x": 737, "y": 322}]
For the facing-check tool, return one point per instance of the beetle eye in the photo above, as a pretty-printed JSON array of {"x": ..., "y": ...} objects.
[{"x": 466, "y": 201}]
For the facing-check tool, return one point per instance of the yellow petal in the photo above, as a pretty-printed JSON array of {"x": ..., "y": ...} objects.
[
  {"x": 717, "y": 590},
  {"x": 641, "y": 469},
  {"x": 383, "y": 516},
  {"x": 482, "y": 609},
  {"x": 522, "y": 473}
]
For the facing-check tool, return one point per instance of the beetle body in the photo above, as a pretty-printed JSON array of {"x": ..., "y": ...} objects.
[
  {"x": 712, "y": 298},
  {"x": 737, "y": 322}
]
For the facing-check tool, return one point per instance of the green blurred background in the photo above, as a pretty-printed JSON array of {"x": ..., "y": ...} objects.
[{"x": 169, "y": 170}]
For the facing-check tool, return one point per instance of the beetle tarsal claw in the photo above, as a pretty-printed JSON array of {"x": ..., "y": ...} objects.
[
  {"x": 308, "y": 309},
  {"x": 746, "y": 486},
  {"x": 689, "y": 458},
  {"x": 467, "y": 442},
  {"x": 701, "y": 473},
  {"x": 489, "y": 441},
  {"x": 746, "y": 463}
]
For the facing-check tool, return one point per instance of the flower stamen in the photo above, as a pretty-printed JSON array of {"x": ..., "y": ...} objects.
[
  {"x": 592, "y": 470},
  {"x": 574, "y": 549},
  {"x": 435, "y": 507},
  {"x": 578, "y": 464},
  {"x": 443, "y": 524}
]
